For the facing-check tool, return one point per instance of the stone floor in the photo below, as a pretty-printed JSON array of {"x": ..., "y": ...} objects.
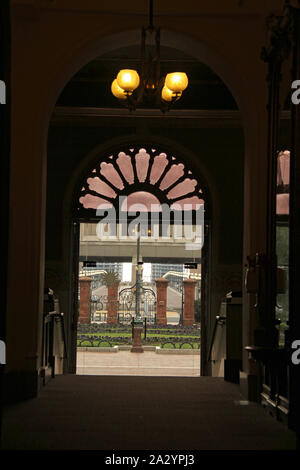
[{"x": 147, "y": 363}]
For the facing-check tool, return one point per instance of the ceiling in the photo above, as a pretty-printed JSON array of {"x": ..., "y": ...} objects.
[{"x": 90, "y": 87}]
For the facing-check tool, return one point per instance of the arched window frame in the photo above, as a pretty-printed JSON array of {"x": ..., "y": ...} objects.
[{"x": 153, "y": 150}]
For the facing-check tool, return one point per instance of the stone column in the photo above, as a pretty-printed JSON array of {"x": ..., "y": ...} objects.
[
  {"x": 85, "y": 299},
  {"x": 189, "y": 299},
  {"x": 161, "y": 301},
  {"x": 112, "y": 303}
]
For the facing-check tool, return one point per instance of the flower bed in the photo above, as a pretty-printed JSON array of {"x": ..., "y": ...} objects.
[{"x": 172, "y": 336}]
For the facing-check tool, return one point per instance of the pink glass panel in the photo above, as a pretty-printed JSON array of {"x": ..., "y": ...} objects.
[
  {"x": 142, "y": 163},
  {"x": 175, "y": 172},
  {"x": 101, "y": 187},
  {"x": 185, "y": 187},
  {"x": 111, "y": 174},
  {"x": 124, "y": 163},
  {"x": 282, "y": 204},
  {"x": 159, "y": 164},
  {"x": 283, "y": 174},
  {"x": 141, "y": 201},
  {"x": 93, "y": 202},
  {"x": 189, "y": 203}
]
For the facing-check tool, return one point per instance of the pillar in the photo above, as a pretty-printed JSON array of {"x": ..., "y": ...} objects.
[
  {"x": 161, "y": 301},
  {"x": 85, "y": 298},
  {"x": 137, "y": 345},
  {"x": 112, "y": 303},
  {"x": 189, "y": 299}
]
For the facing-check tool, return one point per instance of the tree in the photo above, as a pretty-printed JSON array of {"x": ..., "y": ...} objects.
[{"x": 110, "y": 278}]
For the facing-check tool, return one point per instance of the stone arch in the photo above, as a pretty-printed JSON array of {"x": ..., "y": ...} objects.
[
  {"x": 201, "y": 51},
  {"x": 161, "y": 144},
  {"x": 94, "y": 46},
  {"x": 97, "y": 46},
  {"x": 138, "y": 168},
  {"x": 107, "y": 148}
]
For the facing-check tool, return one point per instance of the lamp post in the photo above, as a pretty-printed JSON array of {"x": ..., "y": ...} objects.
[
  {"x": 137, "y": 323},
  {"x": 138, "y": 318}
]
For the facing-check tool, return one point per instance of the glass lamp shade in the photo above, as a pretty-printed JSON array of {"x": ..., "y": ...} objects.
[
  {"x": 177, "y": 81},
  {"x": 128, "y": 79},
  {"x": 117, "y": 91},
  {"x": 167, "y": 94}
]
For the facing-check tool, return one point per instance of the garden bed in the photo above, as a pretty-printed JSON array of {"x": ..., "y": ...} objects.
[{"x": 163, "y": 336}]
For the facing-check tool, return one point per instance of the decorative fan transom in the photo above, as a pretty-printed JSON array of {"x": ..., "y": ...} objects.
[{"x": 145, "y": 176}]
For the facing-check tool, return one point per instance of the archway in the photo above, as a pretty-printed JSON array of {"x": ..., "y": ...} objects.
[
  {"x": 153, "y": 187},
  {"x": 189, "y": 156}
]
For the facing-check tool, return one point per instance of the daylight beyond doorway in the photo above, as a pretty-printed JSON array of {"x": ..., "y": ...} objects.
[{"x": 156, "y": 280}]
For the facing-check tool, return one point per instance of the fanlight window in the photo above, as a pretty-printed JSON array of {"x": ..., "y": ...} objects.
[{"x": 147, "y": 177}]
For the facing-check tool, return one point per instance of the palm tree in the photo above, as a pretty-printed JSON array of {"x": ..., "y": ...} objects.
[{"x": 110, "y": 278}]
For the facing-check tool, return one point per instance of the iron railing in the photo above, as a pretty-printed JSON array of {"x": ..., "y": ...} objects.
[
  {"x": 53, "y": 325},
  {"x": 220, "y": 320}
]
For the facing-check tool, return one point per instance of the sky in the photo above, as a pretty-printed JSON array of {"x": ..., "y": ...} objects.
[{"x": 127, "y": 268}]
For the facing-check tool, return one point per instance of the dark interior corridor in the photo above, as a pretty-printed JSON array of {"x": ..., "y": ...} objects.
[{"x": 142, "y": 413}]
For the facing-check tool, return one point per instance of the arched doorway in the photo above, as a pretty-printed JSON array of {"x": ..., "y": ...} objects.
[
  {"x": 205, "y": 151},
  {"x": 152, "y": 187}
]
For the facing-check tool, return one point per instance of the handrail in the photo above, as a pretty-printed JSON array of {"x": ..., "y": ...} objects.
[
  {"x": 48, "y": 358},
  {"x": 60, "y": 318},
  {"x": 48, "y": 354},
  {"x": 220, "y": 320}
]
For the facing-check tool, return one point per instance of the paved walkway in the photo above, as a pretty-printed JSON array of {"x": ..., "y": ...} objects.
[{"x": 147, "y": 363}]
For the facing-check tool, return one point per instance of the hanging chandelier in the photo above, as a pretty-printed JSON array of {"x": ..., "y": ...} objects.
[{"x": 132, "y": 89}]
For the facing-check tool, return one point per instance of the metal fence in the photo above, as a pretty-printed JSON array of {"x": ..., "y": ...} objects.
[{"x": 127, "y": 307}]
